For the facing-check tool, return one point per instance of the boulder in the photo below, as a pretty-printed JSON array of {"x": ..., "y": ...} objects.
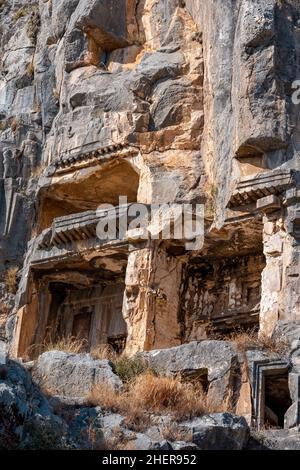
[
  {"x": 218, "y": 431},
  {"x": 73, "y": 375},
  {"x": 26, "y": 420}
]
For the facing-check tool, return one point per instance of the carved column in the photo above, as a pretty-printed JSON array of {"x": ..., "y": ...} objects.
[{"x": 151, "y": 299}]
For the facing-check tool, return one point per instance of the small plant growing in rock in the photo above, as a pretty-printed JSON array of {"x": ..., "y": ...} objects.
[
  {"x": 30, "y": 70},
  {"x": 170, "y": 432},
  {"x": 3, "y": 125},
  {"x": 11, "y": 282},
  {"x": 20, "y": 13},
  {"x": 211, "y": 193},
  {"x": 33, "y": 24},
  {"x": 129, "y": 368},
  {"x": 15, "y": 123},
  {"x": 117, "y": 441}
]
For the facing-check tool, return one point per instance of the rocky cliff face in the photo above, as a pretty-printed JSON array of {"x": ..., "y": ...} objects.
[{"x": 150, "y": 102}]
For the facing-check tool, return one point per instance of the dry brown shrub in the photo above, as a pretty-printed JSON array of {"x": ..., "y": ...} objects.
[
  {"x": 30, "y": 69},
  {"x": 163, "y": 395},
  {"x": 117, "y": 441},
  {"x": 104, "y": 351},
  {"x": 148, "y": 395},
  {"x": 105, "y": 396},
  {"x": 171, "y": 432},
  {"x": 250, "y": 339}
]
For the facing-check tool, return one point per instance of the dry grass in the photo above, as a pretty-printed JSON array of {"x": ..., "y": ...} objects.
[
  {"x": 15, "y": 123},
  {"x": 3, "y": 125},
  {"x": 23, "y": 11},
  {"x": 30, "y": 70},
  {"x": 11, "y": 279},
  {"x": 150, "y": 394},
  {"x": 4, "y": 311},
  {"x": 38, "y": 171},
  {"x": 172, "y": 433},
  {"x": 67, "y": 344},
  {"x": 33, "y": 24},
  {"x": 163, "y": 395},
  {"x": 250, "y": 339},
  {"x": 117, "y": 441},
  {"x": 104, "y": 351},
  {"x": 211, "y": 191}
]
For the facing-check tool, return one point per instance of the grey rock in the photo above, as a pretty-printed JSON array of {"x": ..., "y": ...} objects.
[
  {"x": 58, "y": 401},
  {"x": 106, "y": 21},
  {"x": 143, "y": 442},
  {"x": 292, "y": 416},
  {"x": 289, "y": 331},
  {"x": 85, "y": 429},
  {"x": 163, "y": 445},
  {"x": 3, "y": 352},
  {"x": 44, "y": 433},
  {"x": 181, "y": 445},
  {"x": 73, "y": 375},
  {"x": 112, "y": 420},
  {"x": 275, "y": 440},
  {"x": 218, "y": 431},
  {"x": 294, "y": 383}
]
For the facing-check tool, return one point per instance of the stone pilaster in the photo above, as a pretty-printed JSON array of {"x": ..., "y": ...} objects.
[
  {"x": 151, "y": 300},
  {"x": 280, "y": 298}
]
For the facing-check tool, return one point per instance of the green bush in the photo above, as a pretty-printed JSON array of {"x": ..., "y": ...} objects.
[{"x": 129, "y": 368}]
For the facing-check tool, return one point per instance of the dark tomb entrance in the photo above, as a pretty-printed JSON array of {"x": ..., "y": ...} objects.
[{"x": 277, "y": 398}]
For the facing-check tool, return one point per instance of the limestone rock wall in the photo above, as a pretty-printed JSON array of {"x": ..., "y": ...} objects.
[
  {"x": 251, "y": 57},
  {"x": 161, "y": 102}
]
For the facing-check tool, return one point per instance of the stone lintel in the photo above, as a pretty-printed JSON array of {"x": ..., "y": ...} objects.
[{"x": 269, "y": 203}]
